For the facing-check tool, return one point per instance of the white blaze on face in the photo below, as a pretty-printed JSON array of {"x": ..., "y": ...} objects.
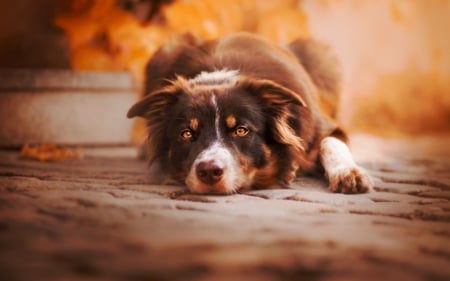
[
  {"x": 221, "y": 156},
  {"x": 217, "y": 117}
]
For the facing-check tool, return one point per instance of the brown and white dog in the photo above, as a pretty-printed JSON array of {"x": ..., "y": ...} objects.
[{"x": 241, "y": 112}]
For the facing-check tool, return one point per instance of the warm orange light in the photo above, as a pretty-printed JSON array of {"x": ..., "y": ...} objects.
[
  {"x": 394, "y": 65},
  {"x": 104, "y": 37}
]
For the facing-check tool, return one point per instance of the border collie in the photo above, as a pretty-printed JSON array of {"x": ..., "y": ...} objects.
[{"x": 241, "y": 112}]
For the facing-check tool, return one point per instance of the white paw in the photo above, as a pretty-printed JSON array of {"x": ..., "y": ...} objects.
[
  {"x": 349, "y": 180},
  {"x": 342, "y": 172}
]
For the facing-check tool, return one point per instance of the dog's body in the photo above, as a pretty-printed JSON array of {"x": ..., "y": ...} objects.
[{"x": 241, "y": 112}]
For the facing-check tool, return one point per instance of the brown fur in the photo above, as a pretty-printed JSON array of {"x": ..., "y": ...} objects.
[{"x": 290, "y": 84}]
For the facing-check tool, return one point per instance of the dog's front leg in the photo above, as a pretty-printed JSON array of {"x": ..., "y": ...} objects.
[{"x": 341, "y": 170}]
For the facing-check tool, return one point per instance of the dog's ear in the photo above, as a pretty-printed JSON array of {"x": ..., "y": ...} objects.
[
  {"x": 272, "y": 93},
  {"x": 154, "y": 102},
  {"x": 275, "y": 98}
]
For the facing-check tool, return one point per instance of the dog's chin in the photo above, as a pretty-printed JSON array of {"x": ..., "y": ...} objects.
[
  {"x": 220, "y": 188},
  {"x": 211, "y": 189}
]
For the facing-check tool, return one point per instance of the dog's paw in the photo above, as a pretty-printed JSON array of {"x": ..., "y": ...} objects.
[{"x": 350, "y": 181}]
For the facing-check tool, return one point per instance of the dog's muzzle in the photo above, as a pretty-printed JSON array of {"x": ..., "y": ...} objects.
[{"x": 215, "y": 170}]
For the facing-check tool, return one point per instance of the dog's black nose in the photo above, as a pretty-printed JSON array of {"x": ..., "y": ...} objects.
[{"x": 209, "y": 172}]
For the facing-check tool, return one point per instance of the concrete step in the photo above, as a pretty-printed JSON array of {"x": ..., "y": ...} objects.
[{"x": 65, "y": 107}]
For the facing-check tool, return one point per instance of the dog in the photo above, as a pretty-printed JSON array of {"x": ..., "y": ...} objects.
[{"x": 242, "y": 112}]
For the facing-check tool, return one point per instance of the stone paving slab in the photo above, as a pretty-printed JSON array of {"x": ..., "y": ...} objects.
[{"x": 98, "y": 218}]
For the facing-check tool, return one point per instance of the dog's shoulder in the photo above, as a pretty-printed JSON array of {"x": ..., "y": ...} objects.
[
  {"x": 323, "y": 67},
  {"x": 260, "y": 58}
]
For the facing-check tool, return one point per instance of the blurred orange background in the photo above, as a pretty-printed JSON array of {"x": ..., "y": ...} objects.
[{"x": 394, "y": 54}]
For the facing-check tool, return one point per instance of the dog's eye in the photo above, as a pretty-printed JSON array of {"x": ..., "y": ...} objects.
[
  {"x": 186, "y": 135},
  {"x": 241, "y": 131}
]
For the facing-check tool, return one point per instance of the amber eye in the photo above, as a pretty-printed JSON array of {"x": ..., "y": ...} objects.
[
  {"x": 241, "y": 131},
  {"x": 186, "y": 135}
]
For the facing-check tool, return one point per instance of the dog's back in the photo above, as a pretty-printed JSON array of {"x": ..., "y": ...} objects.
[
  {"x": 188, "y": 56},
  {"x": 323, "y": 68}
]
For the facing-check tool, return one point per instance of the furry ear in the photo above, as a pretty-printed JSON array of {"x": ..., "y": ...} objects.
[
  {"x": 275, "y": 98},
  {"x": 154, "y": 102},
  {"x": 272, "y": 93},
  {"x": 155, "y": 108}
]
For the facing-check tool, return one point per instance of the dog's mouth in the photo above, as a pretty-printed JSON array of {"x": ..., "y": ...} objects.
[{"x": 212, "y": 190}]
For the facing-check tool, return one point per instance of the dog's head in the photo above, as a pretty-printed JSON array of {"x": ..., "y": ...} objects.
[{"x": 216, "y": 132}]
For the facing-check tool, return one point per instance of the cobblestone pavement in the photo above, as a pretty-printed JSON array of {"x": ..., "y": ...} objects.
[{"x": 98, "y": 219}]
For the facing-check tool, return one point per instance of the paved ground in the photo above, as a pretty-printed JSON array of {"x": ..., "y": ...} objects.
[{"x": 98, "y": 219}]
